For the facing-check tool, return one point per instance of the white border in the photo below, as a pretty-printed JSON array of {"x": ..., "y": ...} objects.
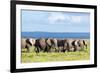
[{"x": 20, "y": 65}]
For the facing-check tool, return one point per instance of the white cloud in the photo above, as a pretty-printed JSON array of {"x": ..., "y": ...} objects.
[
  {"x": 76, "y": 19},
  {"x": 56, "y": 17}
]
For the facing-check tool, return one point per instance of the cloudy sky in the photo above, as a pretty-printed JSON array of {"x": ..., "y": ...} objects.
[{"x": 55, "y": 21}]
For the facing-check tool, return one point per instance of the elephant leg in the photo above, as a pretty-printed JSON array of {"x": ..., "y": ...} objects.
[
  {"x": 83, "y": 48},
  {"x": 68, "y": 49},
  {"x": 27, "y": 48},
  {"x": 37, "y": 49},
  {"x": 86, "y": 46},
  {"x": 56, "y": 49},
  {"x": 63, "y": 50},
  {"x": 71, "y": 49},
  {"x": 60, "y": 50},
  {"x": 45, "y": 49},
  {"x": 75, "y": 48},
  {"x": 49, "y": 49}
]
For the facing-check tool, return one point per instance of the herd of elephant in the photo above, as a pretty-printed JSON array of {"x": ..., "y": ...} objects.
[{"x": 53, "y": 44}]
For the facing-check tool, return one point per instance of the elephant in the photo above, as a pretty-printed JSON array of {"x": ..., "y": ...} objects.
[
  {"x": 51, "y": 44},
  {"x": 76, "y": 46},
  {"x": 40, "y": 45},
  {"x": 23, "y": 43},
  {"x": 82, "y": 44},
  {"x": 66, "y": 45},
  {"x": 69, "y": 46},
  {"x": 54, "y": 44},
  {"x": 63, "y": 45},
  {"x": 27, "y": 43}
]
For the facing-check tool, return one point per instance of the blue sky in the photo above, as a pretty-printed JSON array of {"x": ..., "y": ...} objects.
[{"x": 50, "y": 21}]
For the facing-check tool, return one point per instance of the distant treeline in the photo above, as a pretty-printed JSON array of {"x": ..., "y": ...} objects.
[{"x": 54, "y": 35}]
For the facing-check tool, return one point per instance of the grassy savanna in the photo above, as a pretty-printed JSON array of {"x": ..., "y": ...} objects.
[{"x": 54, "y": 56}]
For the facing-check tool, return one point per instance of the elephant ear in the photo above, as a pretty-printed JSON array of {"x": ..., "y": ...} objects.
[
  {"x": 48, "y": 41},
  {"x": 55, "y": 40},
  {"x": 42, "y": 42},
  {"x": 76, "y": 42},
  {"x": 28, "y": 42}
]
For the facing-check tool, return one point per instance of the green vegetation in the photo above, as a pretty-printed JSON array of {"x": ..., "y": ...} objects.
[{"x": 54, "y": 56}]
